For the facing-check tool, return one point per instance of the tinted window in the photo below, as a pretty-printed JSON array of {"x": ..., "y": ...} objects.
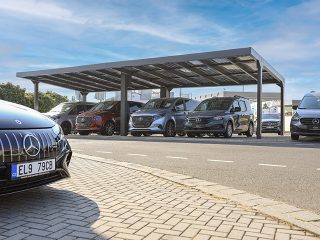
[
  {"x": 235, "y": 104},
  {"x": 80, "y": 109},
  {"x": 243, "y": 106},
  {"x": 104, "y": 106},
  {"x": 179, "y": 105},
  {"x": 62, "y": 108},
  {"x": 159, "y": 103},
  {"x": 214, "y": 104},
  {"x": 271, "y": 116},
  {"x": 191, "y": 104},
  {"x": 310, "y": 102}
]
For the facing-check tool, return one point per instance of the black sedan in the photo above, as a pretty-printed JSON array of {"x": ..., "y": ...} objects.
[{"x": 33, "y": 150}]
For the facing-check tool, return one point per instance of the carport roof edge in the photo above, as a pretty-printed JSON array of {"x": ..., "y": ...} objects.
[{"x": 155, "y": 72}]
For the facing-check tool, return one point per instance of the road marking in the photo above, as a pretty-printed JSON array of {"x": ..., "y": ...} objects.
[
  {"x": 223, "y": 161},
  {"x": 103, "y": 152},
  {"x": 318, "y": 169},
  {"x": 136, "y": 154},
  {"x": 272, "y": 165},
  {"x": 173, "y": 157}
]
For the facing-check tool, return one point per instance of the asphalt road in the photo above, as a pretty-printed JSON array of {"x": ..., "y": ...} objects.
[{"x": 274, "y": 167}]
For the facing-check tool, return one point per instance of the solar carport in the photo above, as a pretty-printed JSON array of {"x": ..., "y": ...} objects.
[{"x": 234, "y": 67}]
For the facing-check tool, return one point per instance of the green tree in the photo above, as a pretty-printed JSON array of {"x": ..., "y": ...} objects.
[{"x": 16, "y": 94}]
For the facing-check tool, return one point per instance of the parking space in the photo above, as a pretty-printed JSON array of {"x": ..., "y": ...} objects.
[{"x": 274, "y": 167}]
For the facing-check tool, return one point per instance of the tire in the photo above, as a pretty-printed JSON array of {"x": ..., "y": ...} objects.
[
  {"x": 200, "y": 135},
  {"x": 279, "y": 133},
  {"x": 83, "y": 133},
  {"x": 66, "y": 127},
  {"x": 136, "y": 134},
  {"x": 229, "y": 130},
  {"x": 181, "y": 134},
  {"x": 190, "y": 135},
  {"x": 295, "y": 137},
  {"x": 170, "y": 130},
  {"x": 108, "y": 129},
  {"x": 250, "y": 131}
]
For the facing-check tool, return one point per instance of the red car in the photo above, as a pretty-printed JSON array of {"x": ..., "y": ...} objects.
[{"x": 103, "y": 118}]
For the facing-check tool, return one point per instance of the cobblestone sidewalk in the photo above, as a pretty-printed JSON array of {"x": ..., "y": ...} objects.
[{"x": 104, "y": 201}]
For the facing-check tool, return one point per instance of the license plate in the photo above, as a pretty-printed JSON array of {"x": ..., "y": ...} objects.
[
  {"x": 199, "y": 126},
  {"x": 269, "y": 127},
  {"x": 28, "y": 169},
  {"x": 315, "y": 127}
]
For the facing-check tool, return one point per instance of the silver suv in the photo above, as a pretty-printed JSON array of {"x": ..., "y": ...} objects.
[
  {"x": 163, "y": 115},
  {"x": 65, "y": 114}
]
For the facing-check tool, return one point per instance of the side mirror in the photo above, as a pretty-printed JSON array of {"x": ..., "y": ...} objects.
[{"x": 295, "y": 107}]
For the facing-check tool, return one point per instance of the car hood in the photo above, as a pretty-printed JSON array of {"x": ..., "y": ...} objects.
[
  {"x": 315, "y": 113},
  {"x": 14, "y": 116},
  {"x": 206, "y": 113},
  {"x": 150, "y": 112},
  {"x": 271, "y": 120}
]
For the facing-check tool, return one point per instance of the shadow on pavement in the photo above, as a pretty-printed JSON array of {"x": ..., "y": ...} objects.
[
  {"x": 47, "y": 212},
  {"x": 267, "y": 140}
]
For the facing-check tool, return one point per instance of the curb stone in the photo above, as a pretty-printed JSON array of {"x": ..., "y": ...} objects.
[{"x": 299, "y": 217}]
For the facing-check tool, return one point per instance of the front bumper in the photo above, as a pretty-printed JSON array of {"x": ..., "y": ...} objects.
[
  {"x": 157, "y": 126},
  {"x": 275, "y": 129},
  {"x": 7, "y": 185},
  {"x": 218, "y": 127},
  {"x": 297, "y": 128}
]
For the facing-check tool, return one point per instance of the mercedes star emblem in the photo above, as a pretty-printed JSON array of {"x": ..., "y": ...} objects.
[
  {"x": 18, "y": 122},
  {"x": 31, "y": 145},
  {"x": 316, "y": 121}
]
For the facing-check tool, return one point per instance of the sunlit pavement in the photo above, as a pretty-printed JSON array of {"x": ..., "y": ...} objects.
[{"x": 103, "y": 201}]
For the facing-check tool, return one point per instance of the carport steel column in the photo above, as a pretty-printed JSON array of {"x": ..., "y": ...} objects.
[
  {"x": 124, "y": 109},
  {"x": 84, "y": 96},
  {"x": 282, "y": 109},
  {"x": 259, "y": 99},
  {"x": 165, "y": 92},
  {"x": 36, "y": 95}
]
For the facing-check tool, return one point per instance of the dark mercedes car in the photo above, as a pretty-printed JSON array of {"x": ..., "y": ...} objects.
[
  {"x": 306, "y": 120},
  {"x": 271, "y": 123},
  {"x": 221, "y": 116},
  {"x": 33, "y": 150}
]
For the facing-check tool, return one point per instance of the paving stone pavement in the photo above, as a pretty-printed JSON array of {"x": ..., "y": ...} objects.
[{"x": 104, "y": 201}]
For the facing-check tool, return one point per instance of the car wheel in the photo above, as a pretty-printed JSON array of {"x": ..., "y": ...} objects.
[
  {"x": 66, "y": 127},
  {"x": 190, "y": 135},
  {"x": 136, "y": 134},
  {"x": 295, "y": 137},
  {"x": 170, "y": 130},
  {"x": 83, "y": 133},
  {"x": 200, "y": 135},
  {"x": 250, "y": 131},
  {"x": 279, "y": 133},
  {"x": 229, "y": 130},
  {"x": 181, "y": 134},
  {"x": 108, "y": 129}
]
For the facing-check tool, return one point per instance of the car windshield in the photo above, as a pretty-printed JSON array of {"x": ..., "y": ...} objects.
[
  {"x": 271, "y": 116},
  {"x": 62, "y": 108},
  {"x": 214, "y": 104},
  {"x": 159, "y": 103},
  {"x": 103, "y": 106},
  {"x": 310, "y": 102}
]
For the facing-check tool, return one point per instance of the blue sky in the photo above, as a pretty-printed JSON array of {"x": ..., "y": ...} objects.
[{"x": 50, "y": 34}]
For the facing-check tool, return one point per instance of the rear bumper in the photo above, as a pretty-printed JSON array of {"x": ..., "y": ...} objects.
[{"x": 8, "y": 186}]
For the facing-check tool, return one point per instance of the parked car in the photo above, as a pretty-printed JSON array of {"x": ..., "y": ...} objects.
[
  {"x": 221, "y": 116},
  {"x": 65, "y": 114},
  {"x": 271, "y": 123},
  {"x": 163, "y": 115},
  {"x": 306, "y": 120},
  {"x": 103, "y": 118},
  {"x": 34, "y": 150}
]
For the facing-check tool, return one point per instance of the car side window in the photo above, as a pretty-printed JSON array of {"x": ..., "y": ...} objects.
[
  {"x": 191, "y": 104},
  {"x": 243, "y": 106},
  {"x": 179, "y": 105},
  {"x": 79, "y": 109},
  {"x": 235, "y": 104}
]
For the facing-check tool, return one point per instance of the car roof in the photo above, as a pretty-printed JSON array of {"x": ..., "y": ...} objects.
[{"x": 313, "y": 94}]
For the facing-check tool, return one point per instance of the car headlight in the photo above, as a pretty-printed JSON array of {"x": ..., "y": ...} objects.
[
  {"x": 218, "y": 118},
  {"x": 156, "y": 117},
  {"x": 295, "y": 117},
  {"x": 57, "y": 130}
]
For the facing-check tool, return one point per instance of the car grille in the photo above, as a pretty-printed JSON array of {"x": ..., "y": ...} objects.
[
  {"x": 273, "y": 124},
  {"x": 142, "y": 121},
  {"x": 12, "y": 145},
  {"x": 85, "y": 121},
  {"x": 198, "y": 120},
  {"x": 310, "y": 121}
]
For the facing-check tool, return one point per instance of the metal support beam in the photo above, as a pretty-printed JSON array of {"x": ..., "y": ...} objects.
[
  {"x": 83, "y": 96},
  {"x": 259, "y": 100},
  {"x": 124, "y": 108},
  {"x": 282, "y": 110},
  {"x": 36, "y": 95},
  {"x": 165, "y": 92}
]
